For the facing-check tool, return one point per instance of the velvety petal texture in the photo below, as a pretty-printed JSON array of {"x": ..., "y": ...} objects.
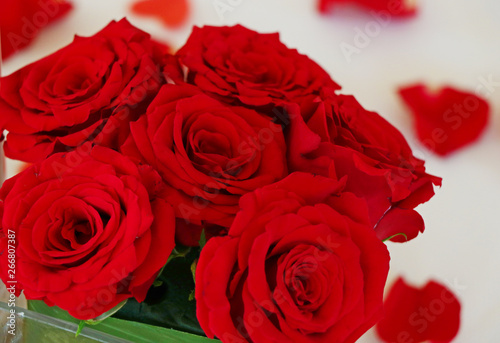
[
  {"x": 430, "y": 313},
  {"x": 300, "y": 264},
  {"x": 336, "y": 137},
  {"x": 88, "y": 91},
  {"x": 88, "y": 228},
  {"x": 208, "y": 153},
  {"x": 241, "y": 66}
]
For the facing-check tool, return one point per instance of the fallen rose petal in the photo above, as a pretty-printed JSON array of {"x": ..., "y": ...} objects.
[
  {"x": 21, "y": 21},
  {"x": 173, "y": 13},
  {"x": 389, "y": 8},
  {"x": 431, "y": 313},
  {"x": 448, "y": 119}
]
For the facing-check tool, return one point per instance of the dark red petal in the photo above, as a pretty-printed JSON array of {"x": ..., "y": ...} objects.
[
  {"x": 162, "y": 243},
  {"x": 431, "y": 313},
  {"x": 447, "y": 120},
  {"x": 186, "y": 233}
]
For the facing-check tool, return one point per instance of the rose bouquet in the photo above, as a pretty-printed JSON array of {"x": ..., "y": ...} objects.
[{"x": 227, "y": 190}]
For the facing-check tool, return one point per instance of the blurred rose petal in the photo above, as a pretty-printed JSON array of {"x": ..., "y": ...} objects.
[
  {"x": 21, "y": 21},
  {"x": 431, "y": 313},
  {"x": 448, "y": 119},
  {"x": 390, "y": 8},
  {"x": 173, "y": 13}
]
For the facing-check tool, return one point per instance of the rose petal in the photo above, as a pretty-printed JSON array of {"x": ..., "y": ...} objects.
[
  {"x": 390, "y": 8},
  {"x": 398, "y": 220},
  {"x": 430, "y": 313},
  {"x": 172, "y": 13},
  {"x": 447, "y": 120},
  {"x": 15, "y": 32}
]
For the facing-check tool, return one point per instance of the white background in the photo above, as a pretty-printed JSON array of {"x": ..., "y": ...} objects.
[{"x": 450, "y": 42}]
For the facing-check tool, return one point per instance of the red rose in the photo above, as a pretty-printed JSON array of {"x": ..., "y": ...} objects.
[
  {"x": 340, "y": 138},
  {"x": 21, "y": 20},
  {"x": 238, "y": 65},
  {"x": 300, "y": 264},
  {"x": 87, "y": 91},
  {"x": 85, "y": 230},
  {"x": 208, "y": 153}
]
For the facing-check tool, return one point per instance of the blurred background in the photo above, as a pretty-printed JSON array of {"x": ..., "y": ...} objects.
[{"x": 449, "y": 42}]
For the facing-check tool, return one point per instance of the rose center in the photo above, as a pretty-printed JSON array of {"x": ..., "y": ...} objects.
[
  {"x": 299, "y": 284},
  {"x": 82, "y": 233},
  {"x": 213, "y": 145},
  {"x": 305, "y": 277},
  {"x": 77, "y": 233},
  {"x": 74, "y": 82}
]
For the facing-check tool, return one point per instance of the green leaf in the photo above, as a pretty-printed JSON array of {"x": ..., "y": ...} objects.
[
  {"x": 132, "y": 331},
  {"x": 203, "y": 239},
  {"x": 398, "y": 234},
  {"x": 51, "y": 311},
  {"x": 81, "y": 325},
  {"x": 166, "y": 315},
  {"x": 143, "y": 333},
  {"x": 168, "y": 305},
  {"x": 107, "y": 314},
  {"x": 157, "y": 283},
  {"x": 179, "y": 251},
  {"x": 193, "y": 269}
]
